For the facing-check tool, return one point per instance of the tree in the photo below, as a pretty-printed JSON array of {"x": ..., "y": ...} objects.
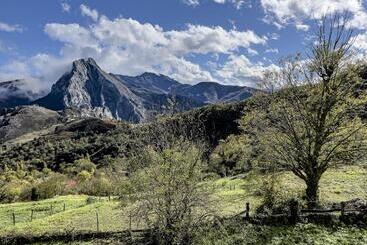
[
  {"x": 169, "y": 198},
  {"x": 310, "y": 124}
]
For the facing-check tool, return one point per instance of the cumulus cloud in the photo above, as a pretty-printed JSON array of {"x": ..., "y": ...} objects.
[
  {"x": 126, "y": 46},
  {"x": 86, "y": 11},
  {"x": 65, "y": 7},
  {"x": 295, "y": 11},
  {"x": 241, "y": 71},
  {"x": 10, "y": 28}
]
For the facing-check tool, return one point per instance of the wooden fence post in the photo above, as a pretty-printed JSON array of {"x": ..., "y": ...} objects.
[
  {"x": 342, "y": 206},
  {"x": 130, "y": 222},
  {"x": 31, "y": 215},
  {"x": 51, "y": 208},
  {"x": 13, "y": 218},
  {"x": 247, "y": 215},
  {"x": 64, "y": 207},
  {"x": 294, "y": 211},
  {"x": 97, "y": 219}
]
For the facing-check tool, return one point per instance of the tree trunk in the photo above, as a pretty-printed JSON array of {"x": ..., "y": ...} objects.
[{"x": 312, "y": 192}]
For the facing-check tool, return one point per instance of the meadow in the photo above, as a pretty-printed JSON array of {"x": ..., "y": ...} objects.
[{"x": 77, "y": 213}]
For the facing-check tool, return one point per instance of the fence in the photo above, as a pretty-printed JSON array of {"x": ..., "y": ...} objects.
[
  {"x": 32, "y": 213},
  {"x": 297, "y": 214}
]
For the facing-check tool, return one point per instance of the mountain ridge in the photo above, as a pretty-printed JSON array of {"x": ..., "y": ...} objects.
[{"x": 92, "y": 92}]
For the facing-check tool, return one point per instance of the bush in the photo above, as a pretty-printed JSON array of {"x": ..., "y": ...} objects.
[
  {"x": 232, "y": 156},
  {"x": 52, "y": 186},
  {"x": 274, "y": 201},
  {"x": 97, "y": 186},
  {"x": 168, "y": 195},
  {"x": 14, "y": 190}
]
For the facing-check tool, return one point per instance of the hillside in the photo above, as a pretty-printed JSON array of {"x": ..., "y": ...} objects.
[{"x": 25, "y": 119}]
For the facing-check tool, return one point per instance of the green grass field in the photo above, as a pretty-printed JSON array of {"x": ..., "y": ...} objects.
[{"x": 230, "y": 194}]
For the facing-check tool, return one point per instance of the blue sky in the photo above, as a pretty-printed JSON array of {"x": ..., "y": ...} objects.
[{"x": 227, "y": 41}]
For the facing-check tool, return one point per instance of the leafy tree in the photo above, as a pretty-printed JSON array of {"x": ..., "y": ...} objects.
[{"x": 310, "y": 124}]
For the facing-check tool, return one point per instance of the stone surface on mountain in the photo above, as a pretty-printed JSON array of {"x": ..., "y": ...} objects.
[
  {"x": 93, "y": 92},
  {"x": 212, "y": 93},
  {"x": 90, "y": 91},
  {"x": 203, "y": 92}
]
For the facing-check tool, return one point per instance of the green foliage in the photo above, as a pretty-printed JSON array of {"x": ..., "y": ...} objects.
[
  {"x": 232, "y": 233},
  {"x": 98, "y": 186},
  {"x": 168, "y": 195},
  {"x": 54, "y": 185},
  {"x": 232, "y": 156}
]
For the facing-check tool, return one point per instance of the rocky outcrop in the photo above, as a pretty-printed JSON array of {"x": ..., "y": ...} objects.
[
  {"x": 95, "y": 93},
  {"x": 88, "y": 91}
]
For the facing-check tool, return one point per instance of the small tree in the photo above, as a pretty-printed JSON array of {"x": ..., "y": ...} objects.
[
  {"x": 310, "y": 124},
  {"x": 168, "y": 193}
]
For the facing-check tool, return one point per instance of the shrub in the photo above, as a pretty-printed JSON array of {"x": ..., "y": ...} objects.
[
  {"x": 168, "y": 195},
  {"x": 13, "y": 190},
  {"x": 52, "y": 186}
]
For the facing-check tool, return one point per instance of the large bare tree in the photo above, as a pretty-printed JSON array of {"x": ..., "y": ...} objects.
[{"x": 310, "y": 124}]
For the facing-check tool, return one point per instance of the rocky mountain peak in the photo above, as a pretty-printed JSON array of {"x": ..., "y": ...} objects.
[{"x": 90, "y": 91}]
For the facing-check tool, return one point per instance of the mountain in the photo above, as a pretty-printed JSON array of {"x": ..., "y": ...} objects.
[
  {"x": 149, "y": 82},
  {"x": 94, "y": 93},
  {"x": 203, "y": 92},
  {"x": 91, "y": 92},
  {"x": 13, "y": 93},
  {"x": 21, "y": 120},
  {"x": 212, "y": 93}
]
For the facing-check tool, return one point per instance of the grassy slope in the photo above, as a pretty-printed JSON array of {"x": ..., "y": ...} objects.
[{"x": 336, "y": 185}]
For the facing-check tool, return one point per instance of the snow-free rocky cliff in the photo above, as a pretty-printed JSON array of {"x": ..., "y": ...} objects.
[{"x": 90, "y": 91}]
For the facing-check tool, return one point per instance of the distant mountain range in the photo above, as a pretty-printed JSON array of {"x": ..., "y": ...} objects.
[
  {"x": 14, "y": 93},
  {"x": 90, "y": 91}
]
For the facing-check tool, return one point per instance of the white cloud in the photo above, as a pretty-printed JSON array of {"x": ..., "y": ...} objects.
[
  {"x": 272, "y": 50},
  {"x": 73, "y": 34},
  {"x": 129, "y": 47},
  {"x": 65, "y": 7},
  {"x": 126, "y": 46},
  {"x": 191, "y": 2},
  {"x": 360, "y": 46},
  {"x": 251, "y": 51},
  {"x": 86, "y": 11},
  {"x": 241, "y": 71},
  {"x": 302, "y": 27},
  {"x": 10, "y": 28},
  {"x": 203, "y": 39},
  {"x": 237, "y": 3},
  {"x": 295, "y": 11}
]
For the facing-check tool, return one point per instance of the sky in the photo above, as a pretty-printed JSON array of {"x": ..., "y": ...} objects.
[{"x": 225, "y": 41}]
